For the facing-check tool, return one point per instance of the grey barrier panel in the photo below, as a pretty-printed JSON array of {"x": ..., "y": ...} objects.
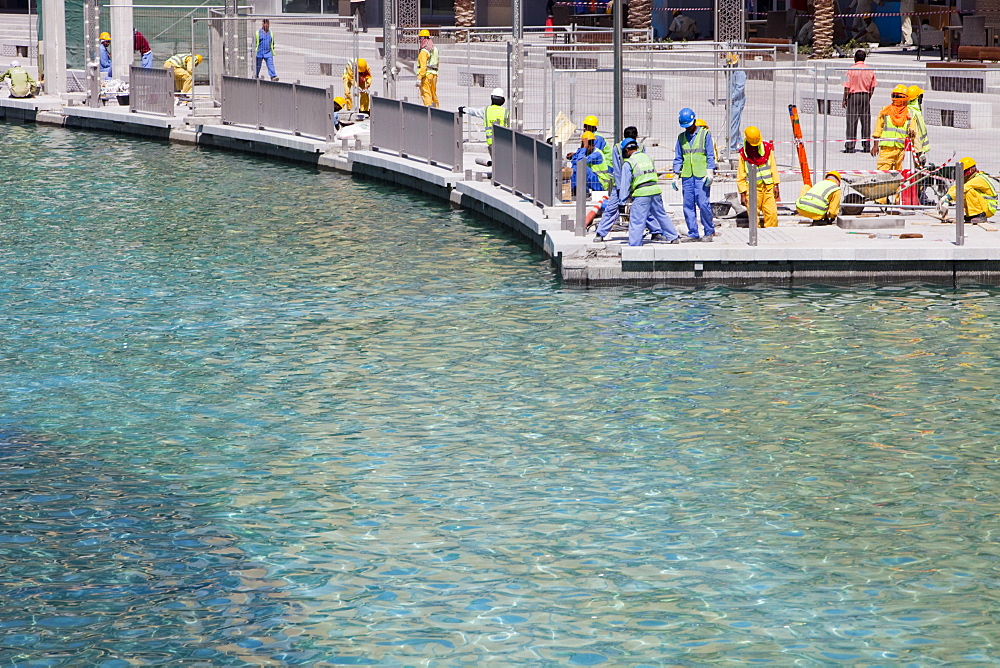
[
  {"x": 386, "y": 125},
  {"x": 446, "y": 138},
  {"x": 314, "y": 111},
  {"x": 545, "y": 162},
  {"x": 277, "y": 105},
  {"x": 416, "y": 135},
  {"x": 239, "y": 101},
  {"x": 151, "y": 91},
  {"x": 524, "y": 164},
  {"x": 503, "y": 156}
]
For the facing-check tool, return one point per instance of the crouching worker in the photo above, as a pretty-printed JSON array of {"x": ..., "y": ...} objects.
[
  {"x": 183, "y": 68},
  {"x": 980, "y": 193},
  {"x": 20, "y": 82},
  {"x": 639, "y": 183},
  {"x": 821, "y": 203},
  {"x": 598, "y": 174}
]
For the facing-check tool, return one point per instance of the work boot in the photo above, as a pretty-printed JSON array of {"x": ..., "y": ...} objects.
[
  {"x": 708, "y": 238},
  {"x": 657, "y": 237},
  {"x": 274, "y": 78},
  {"x": 598, "y": 239}
]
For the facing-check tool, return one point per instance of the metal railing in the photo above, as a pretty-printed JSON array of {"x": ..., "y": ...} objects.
[
  {"x": 151, "y": 91},
  {"x": 524, "y": 164},
  {"x": 417, "y": 132},
  {"x": 277, "y": 106}
]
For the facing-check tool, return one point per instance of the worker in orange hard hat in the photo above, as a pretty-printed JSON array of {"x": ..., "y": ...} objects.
[
  {"x": 894, "y": 126},
  {"x": 760, "y": 154},
  {"x": 427, "y": 70},
  {"x": 980, "y": 190},
  {"x": 363, "y": 81},
  {"x": 821, "y": 203}
]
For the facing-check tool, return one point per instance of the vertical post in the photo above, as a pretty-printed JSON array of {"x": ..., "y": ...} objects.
[
  {"x": 534, "y": 172},
  {"x": 356, "y": 44},
  {"x": 295, "y": 109},
  {"x": 581, "y": 197},
  {"x": 959, "y": 205},
  {"x": 91, "y": 57},
  {"x": 54, "y": 48},
  {"x": 618, "y": 22},
  {"x": 826, "y": 112},
  {"x": 256, "y": 84},
  {"x": 230, "y": 43},
  {"x": 193, "y": 65},
  {"x": 517, "y": 64},
  {"x": 815, "y": 121},
  {"x": 389, "y": 44},
  {"x": 121, "y": 38},
  {"x": 459, "y": 159},
  {"x": 752, "y": 201}
]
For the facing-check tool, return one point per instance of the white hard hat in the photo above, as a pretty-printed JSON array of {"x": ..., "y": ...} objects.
[
  {"x": 497, "y": 92},
  {"x": 15, "y": 63}
]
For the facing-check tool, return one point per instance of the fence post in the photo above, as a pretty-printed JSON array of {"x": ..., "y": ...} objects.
[
  {"x": 402, "y": 128},
  {"x": 295, "y": 110},
  {"x": 430, "y": 138},
  {"x": 581, "y": 197},
  {"x": 959, "y": 205},
  {"x": 330, "y": 125},
  {"x": 534, "y": 172},
  {"x": 513, "y": 160},
  {"x": 259, "y": 126},
  {"x": 752, "y": 201},
  {"x": 459, "y": 159}
]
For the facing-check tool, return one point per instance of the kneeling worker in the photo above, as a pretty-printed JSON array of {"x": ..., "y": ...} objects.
[
  {"x": 20, "y": 82},
  {"x": 760, "y": 154},
  {"x": 980, "y": 193},
  {"x": 821, "y": 203},
  {"x": 183, "y": 67},
  {"x": 639, "y": 182},
  {"x": 598, "y": 171}
]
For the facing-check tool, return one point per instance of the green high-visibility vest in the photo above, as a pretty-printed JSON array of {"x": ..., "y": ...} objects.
[
  {"x": 991, "y": 200},
  {"x": 602, "y": 170},
  {"x": 644, "y": 176},
  {"x": 893, "y": 135},
  {"x": 432, "y": 61},
  {"x": 178, "y": 60},
  {"x": 816, "y": 200},
  {"x": 693, "y": 152},
  {"x": 922, "y": 142},
  {"x": 495, "y": 114},
  {"x": 607, "y": 151}
]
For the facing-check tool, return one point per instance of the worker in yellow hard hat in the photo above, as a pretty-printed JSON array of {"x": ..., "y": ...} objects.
[
  {"x": 339, "y": 104},
  {"x": 598, "y": 170},
  {"x": 821, "y": 203},
  {"x": 104, "y": 53},
  {"x": 427, "y": 69},
  {"x": 921, "y": 141},
  {"x": 760, "y": 154},
  {"x": 183, "y": 65},
  {"x": 894, "y": 126},
  {"x": 980, "y": 190},
  {"x": 601, "y": 143},
  {"x": 363, "y": 81}
]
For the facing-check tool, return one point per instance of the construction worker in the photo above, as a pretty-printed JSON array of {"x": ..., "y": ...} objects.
[
  {"x": 141, "y": 44},
  {"x": 20, "y": 82},
  {"x": 694, "y": 164},
  {"x": 980, "y": 193},
  {"x": 598, "y": 172},
  {"x": 760, "y": 154},
  {"x": 183, "y": 67},
  {"x": 427, "y": 69},
  {"x": 610, "y": 215},
  {"x": 894, "y": 126},
  {"x": 921, "y": 142},
  {"x": 602, "y": 144},
  {"x": 104, "y": 53},
  {"x": 639, "y": 183},
  {"x": 821, "y": 203},
  {"x": 263, "y": 49},
  {"x": 364, "y": 82},
  {"x": 339, "y": 104},
  {"x": 495, "y": 114}
]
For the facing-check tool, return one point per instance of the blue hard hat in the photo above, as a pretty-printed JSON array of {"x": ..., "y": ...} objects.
[
  {"x": 686, "y": 118},
  {"x": 628, "y": 142}
]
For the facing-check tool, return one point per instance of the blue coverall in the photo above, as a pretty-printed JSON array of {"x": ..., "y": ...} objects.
[
  {"x": 595, "y": 158},
  {"x": 105, "y": 57},
  {"x": 265, "y": 54},
  {"x": 646, "y": 211},
  {"x": 696, "y": 195},
  {"x": 610, "y": 215}
]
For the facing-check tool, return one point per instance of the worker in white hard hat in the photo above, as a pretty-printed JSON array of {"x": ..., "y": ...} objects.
[
  {"x": 495, "y": 114},
  {"x": 20, "y": 82}
]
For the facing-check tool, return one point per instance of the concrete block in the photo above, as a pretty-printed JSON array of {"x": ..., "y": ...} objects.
[{"x": 875, "y": 223}]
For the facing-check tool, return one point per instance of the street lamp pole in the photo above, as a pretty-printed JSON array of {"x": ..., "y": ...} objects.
[
  {"x": 618, "y": 23},
  {"x": 517, "y": 63}
]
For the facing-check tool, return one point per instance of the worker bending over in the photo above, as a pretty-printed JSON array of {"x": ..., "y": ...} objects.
[
  {"x": 600, "y": 142},
  {"x": 598, "y": 174},
  {"x": 760, "y": 154},
  {"x": 20, "y": 82},
  {"x": 694, "y": 165},
  {"x": 427, "y": 70},
  {"x": 980, "y": 193},
  {"x": 610, "y": 215},
  {"x": 894, "y": 126},
  {"x": 183, "y": 65},
  {"x": 495, "y": 114},
  {"x": 821, "y": 203},
  {"x": 363, "y": 82},
  {"x": 639, "y": 183}
]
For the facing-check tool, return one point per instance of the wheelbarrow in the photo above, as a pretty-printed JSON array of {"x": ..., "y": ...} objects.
[{"x": 859, "y": 189}]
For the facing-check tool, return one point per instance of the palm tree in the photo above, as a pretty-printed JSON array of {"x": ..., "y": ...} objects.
[
  {"x": 823, "y": 29},
  {"x": 465, "y": 17},
  {"x": 640, "y": 14}
]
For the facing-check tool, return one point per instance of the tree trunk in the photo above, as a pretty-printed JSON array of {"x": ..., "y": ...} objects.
[
  {"x": 823, "y": 30},
  {"x": 465, "y": 17},
  {"x": 640, "y": 14}
]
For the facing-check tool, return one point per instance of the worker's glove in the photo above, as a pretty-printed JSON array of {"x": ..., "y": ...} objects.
[
  {"x": 461, "y": 110},
  {"x": 621, "y": 208},
  {"x": 708, "y": 177},
  {"x": 673, "y": 183}
]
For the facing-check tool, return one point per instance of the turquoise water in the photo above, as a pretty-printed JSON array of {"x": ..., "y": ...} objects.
[{"x": 253, "y": 413}]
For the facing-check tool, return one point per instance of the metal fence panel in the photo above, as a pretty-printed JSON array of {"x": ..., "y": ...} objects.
[
  {"x": 239, "y": 101},
  {"x": 524, "y": 164},
  {"x": 314, "y": 112},
  {"x": 151, "y": 91},
  {"x": 277, "y": 106},
  {"x": 387, "y": 125},
  {"x": 446, "y": 138},
  {"x": 503, "y": 156},
  {"x": 545, "y": 162},
  {"x": 416, "y": 138}
]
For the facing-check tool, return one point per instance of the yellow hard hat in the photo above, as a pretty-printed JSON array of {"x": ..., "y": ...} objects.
[
  {"x": 362, "y": 65},
  {"x": 425, "y": 33},
  {"x": 197, "y": 59},
  {"x": 341, "y": 101},
  {"x": 913, "y": 92},
  {"x": 752, "y": 135},
  {"x": 732, "y": 58},
  {"x": 591, "y": 121},
  {"x": 588, "y": 136},
  {"x": 901, "y": 89},
  {"x": 700, "y": 122},
  {"x": 105, "y": 37},
  {"x": 967, "y": 163},
  {"x": 833, "y": 172}
]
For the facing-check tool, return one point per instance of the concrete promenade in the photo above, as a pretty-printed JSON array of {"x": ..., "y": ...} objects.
[{"x": 791, "y": 254}]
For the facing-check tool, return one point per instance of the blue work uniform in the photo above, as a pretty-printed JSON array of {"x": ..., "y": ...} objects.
[
  {"x": 265, "y": 52},
  {"x": 647, "y": 210},
  {"x": 595, "y": 158},
  {"x": 610, "y": 215},
  {"x": 105, "y": 57},
  {"x": 693, "y": 155}
]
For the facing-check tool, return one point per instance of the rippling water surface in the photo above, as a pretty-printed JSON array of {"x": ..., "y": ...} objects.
[{"x": 252, "y": 413}]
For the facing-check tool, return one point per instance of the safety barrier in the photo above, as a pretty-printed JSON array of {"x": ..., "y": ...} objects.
[
  {"x": 277, "y": 106},
  {"x": 524, "y": 164},
  {"x": 151, "y": 91},
  {"x": 417, "y": 132}
]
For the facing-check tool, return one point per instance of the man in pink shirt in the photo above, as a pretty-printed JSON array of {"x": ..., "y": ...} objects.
[{"x": 858, "y": 90}]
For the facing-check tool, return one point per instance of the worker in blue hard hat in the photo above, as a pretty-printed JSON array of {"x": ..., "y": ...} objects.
[
  {"x": 639, "y": 183},
  {"x": 694, "y": 165}
]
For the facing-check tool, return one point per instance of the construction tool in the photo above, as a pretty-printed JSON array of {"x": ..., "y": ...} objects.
[{"x": 793, "y": 112}]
